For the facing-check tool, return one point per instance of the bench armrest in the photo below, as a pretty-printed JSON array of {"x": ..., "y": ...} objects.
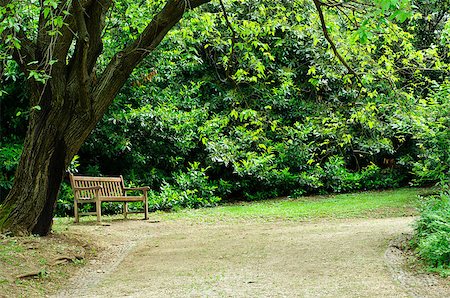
[
  {"x": 136, "y": 188},
  {"x": 88, "y": 188}
]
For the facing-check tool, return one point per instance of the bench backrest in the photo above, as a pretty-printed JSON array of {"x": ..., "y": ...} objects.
[{"x": 112, "y": 186}]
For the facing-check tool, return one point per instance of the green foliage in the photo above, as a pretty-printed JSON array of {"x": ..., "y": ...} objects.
[
  {"x": 190, "y": 189},
  {"x": 373, "y": 177},
  {"x": 267, "y": 114},
  {"x": 64, "y": 203},
  {"x": 13, "y": 116},
  {"x": 432, "y": 232},
  {"x": 9, "y": 159},
  {"x": 430, "y": 125}
]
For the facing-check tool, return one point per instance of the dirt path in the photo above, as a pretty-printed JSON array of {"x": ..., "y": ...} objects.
[{"x": 344, "y": 258}]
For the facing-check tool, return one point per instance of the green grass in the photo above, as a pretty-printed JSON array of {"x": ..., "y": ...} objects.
[
  {"x": 371, "y": 204},
  {"x": 8, "y": 249},
  {"x": 391, "y": 203}
]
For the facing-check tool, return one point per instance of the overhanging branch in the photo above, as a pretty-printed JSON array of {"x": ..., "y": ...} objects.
[
  {"x": 233, "y": 37},
  {"x": 95, "y": 25},
  {"x": 123, "y": 63},
  {"x": 327, "y": 36}
]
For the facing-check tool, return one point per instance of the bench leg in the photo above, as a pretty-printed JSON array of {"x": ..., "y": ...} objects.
[
  {"x": 98, "y": 207},
  {"x": 125, "y": 209},
  {"x": 75, "y": 210},
  {"x": 146, "y": 206}
]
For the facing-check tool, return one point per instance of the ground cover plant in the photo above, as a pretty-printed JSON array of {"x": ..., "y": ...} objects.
[{"x": 432, "y": 233}]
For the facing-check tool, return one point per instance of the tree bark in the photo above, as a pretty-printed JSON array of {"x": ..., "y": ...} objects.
[
  {"x": 54, "y": 135},
  {"x": 71, "y": 104}
]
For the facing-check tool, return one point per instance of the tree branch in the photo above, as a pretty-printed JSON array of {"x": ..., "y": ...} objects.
[
  {"x": 25, "y": 54},
  {"x": 3, "y": 3},
  {"x": 82, "y": 54},
  {"x": 90, "y": 21},
  {"x": 58, "y": 50},
  {"x": 233, "y": 38},
  {"x": 123, "y": 63},
  {"x": 318, "y": 5},
  {"x": 95, "y": 25}
]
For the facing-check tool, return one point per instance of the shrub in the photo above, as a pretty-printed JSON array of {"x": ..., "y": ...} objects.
[
  {"x": 338, "y": 178},
  {"x": 373, "y": 177},
  {"x": 64, "y": 204},
  {"x": 432, "y": 232},
  {"x": 191, "y": 189},
  {"x": 435, "y": 249},
  {"x": 9, "y": 159}
]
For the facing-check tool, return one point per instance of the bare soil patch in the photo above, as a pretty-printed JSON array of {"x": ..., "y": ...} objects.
[
  {"x": 183, "y": 258},
  {"x": 35, "y": 266}
]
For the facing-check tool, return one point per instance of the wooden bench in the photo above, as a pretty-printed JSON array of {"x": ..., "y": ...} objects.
[{"x": 104, "y": 189}]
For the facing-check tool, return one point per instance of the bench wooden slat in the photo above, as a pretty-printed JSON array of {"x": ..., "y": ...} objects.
[
  {"x": 89, "y": 178},
  {"x": 115, "y": 189},
  {"x": 105, "y": 190},
  {"x": 119, "y": 189},
  {"x": 112, "y": 190},
  {"x": 86, "y": 200}
]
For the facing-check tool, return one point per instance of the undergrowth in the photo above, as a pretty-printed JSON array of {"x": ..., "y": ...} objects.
[{"x": 432, "y": 233}]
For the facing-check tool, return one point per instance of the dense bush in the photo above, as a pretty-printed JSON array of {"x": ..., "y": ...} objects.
[
  {"x": 191, "y": 189},
  {"x": 9, "y": 159},
  {"x": 13, "y": 117},
  {"x": 432, "y": 233},
  {"x": 64, "y": 204}
]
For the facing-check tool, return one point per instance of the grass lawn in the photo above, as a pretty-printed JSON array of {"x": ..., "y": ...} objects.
[
  {"x": 369, "y": 204},
  {"x": 390, "y": 203}
]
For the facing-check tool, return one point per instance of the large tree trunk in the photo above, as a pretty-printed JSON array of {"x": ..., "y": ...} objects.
[
  {"x": 54, "y": 135},
  {"x": 29, "y": 205}
]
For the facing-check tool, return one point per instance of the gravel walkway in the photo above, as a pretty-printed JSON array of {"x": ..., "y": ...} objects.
[{"x": 339, "y": 258}]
